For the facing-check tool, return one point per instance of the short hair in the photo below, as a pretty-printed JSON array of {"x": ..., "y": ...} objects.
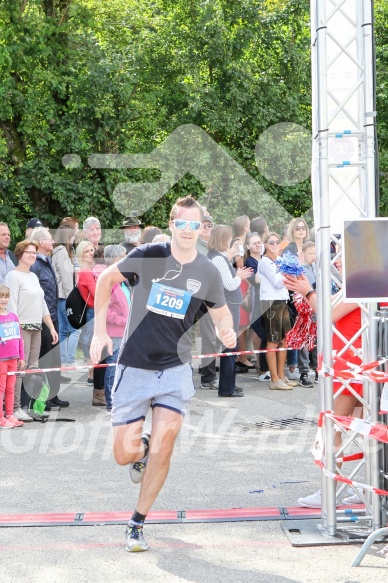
[
  {"x": 3, "y": 225},
  {"x": 291, "y": 227},
  {"x": 161, "y": 238},
  {"x": 186, "y": 202},
  {"x": 307, "y": 245},
  {"x": 22, "y": 246},
  {"x": 259, "y": 225},
  {"x": 5, "y": 292},
  {"x": 148, "y": 235},
  {"x": 89, "y": 222},
  {"x": 238, "y": 225},
  {"x": 79, "y": 252},
  {"x": 219, "y": 238},
  {"x": 38, "y": 234},
  {"x": 113, "y": 252}
]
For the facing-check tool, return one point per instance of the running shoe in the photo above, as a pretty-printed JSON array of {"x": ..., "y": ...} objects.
[
  {"x": 21, "y": 415},
  {"x": 312, "y": 501},
  {"x": 304, "y": 381},
  {"x": 6, "y": 423},
  {"x": 135, "y": 541},
  {"x": 294, "y": 375},
  {"x": 264, "y": 377},
  {"x": 355, "y": 498},
  {"x": 17, "y": 422},
  {"x": 211, "y": 385},
  {"x": 136, "y": 470}
]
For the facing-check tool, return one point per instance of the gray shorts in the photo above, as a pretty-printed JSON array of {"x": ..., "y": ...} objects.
[{"x": 136, "y": 389}]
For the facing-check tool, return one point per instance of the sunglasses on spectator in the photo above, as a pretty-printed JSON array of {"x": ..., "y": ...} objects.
[
  {"x": 208, "y": 225},
  {"x": 182, "y": 224},
  {"x": 277, "y": 242},
  {"x": 301, "y": 228}
]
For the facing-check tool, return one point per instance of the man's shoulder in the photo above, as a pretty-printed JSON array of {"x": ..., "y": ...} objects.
[
  {"x": 206, "y": 267},
  {"x": 13, "y": 257},
  {"x": 152, "y": 250}
]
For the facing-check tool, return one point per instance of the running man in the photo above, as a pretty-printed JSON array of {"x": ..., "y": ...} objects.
[{"x": 169, "y": 281}]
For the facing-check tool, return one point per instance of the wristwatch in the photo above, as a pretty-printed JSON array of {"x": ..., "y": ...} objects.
[{"x": 309, "y": 293}]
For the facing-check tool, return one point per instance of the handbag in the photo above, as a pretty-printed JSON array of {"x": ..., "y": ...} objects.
[
  {"x": 247, "y": 300},
  {"x": 76, "y": 309}
]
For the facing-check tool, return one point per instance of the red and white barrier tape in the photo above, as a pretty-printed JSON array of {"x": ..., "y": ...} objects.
[
  {"x": 374, "y": 430},
  {"x": 194, "y": 357},
  {"x": 344, "y": 480},
  {"x": 360, "y": 372}
]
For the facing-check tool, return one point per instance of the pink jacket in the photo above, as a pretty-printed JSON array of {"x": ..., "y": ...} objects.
[
  {"x": 118, "y": 309},
  {"x": 10, "y": 347}
]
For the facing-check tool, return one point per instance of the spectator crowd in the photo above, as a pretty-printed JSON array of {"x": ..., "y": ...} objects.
[{"x": 39, "y": 275}]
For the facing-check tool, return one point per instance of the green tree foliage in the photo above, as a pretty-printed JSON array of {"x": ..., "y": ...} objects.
[{"x": 92, "y": 76}]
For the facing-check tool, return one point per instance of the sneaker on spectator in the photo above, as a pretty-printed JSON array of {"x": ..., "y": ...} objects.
[
  {"x": 289, "y": 382},
  {"x": 354, "y": 498},
  {"x": 294, "y": 375},
  {"x": 304, "y": 381},
  {"x": 279, "y": 386},
  {"x": 211, "y": 385},
  {"x": 264, "y": 377},
  {"x": 15, "y": 421},
  {"x": 22, "y": 415},
  {"x": 136, "y": 470},
  {"x": 312, "y": 501},
  {"x": 135, "y": 538},
  {"x": 6, "y": 423}
]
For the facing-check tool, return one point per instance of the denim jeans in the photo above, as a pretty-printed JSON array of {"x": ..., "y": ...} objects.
[
  {"x": 111, "y": 371},
  {"x": 68, "y": 336},
  {"x": 292, "y": 357},
  {"x": 87, "y": 332}
]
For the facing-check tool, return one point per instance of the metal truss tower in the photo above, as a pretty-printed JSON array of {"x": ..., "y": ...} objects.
[{"x": 344, "y": 187}]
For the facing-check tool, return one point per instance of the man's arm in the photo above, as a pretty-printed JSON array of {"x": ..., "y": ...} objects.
[
  {"x": 105, "y": 282},
  {"x": 223, "y": 321}
]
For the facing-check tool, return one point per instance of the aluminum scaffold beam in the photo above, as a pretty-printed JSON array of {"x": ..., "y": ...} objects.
[{"x": 344, "y": 188}]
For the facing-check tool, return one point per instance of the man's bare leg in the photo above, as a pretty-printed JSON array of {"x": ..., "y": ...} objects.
[
  {"x": 127, "y": 445},
  {"x": 166, "y": 425}
]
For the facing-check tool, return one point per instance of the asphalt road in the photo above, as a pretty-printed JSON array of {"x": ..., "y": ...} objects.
[{"x": 222, "y": 460}]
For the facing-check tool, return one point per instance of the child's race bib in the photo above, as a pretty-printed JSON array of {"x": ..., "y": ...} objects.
[{"x": 9, "y": 331}]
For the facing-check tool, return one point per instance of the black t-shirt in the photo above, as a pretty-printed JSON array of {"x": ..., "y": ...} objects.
[{"x": 166, "y": 297}]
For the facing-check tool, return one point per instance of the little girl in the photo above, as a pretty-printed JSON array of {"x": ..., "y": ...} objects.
[{"x": 11, "y": 359}]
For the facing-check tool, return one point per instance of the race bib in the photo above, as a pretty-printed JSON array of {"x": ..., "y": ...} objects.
[
  {"x": 9, "y": 331},
  {"x": 168, "y": 301}
]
